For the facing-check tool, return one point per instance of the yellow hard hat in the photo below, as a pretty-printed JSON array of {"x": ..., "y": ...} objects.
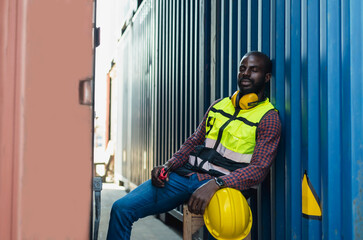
[{"x": 228, "y": 215}]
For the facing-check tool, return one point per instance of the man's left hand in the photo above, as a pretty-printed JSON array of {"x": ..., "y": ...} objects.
[{"x": 201, "y": 197}]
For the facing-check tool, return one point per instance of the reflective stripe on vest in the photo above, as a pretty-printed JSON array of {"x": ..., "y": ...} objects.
[
  {"x": 232, "y": 133},
  {"x": 225, "y": 152}
]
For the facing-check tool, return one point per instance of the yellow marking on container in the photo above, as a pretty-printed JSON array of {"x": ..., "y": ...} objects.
[{"x": 310, "y": 201}]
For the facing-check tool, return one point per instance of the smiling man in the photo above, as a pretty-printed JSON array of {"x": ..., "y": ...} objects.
[{"x": 233, "y": 146}]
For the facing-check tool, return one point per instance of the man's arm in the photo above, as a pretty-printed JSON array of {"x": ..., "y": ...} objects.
[
  {"x": 268, "y": 137},
  {"x": 197, "y": 138},
  {"x": 182, "y": 155}
]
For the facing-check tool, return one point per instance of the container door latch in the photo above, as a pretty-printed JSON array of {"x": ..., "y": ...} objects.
[{"x": 86, "y": 92}]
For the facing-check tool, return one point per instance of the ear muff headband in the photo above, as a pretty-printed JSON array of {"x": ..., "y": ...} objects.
[{"x": 246, "y": 102}]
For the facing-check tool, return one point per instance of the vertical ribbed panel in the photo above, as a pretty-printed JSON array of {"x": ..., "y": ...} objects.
[
  {"x": 179, "y": 56},
  {"x": 352, "y": 103},
  {"x": 293, "y": 122},
  {"x": 331, "y": 113},
  {"x": 233, "y": 62},
  {"x": 278, "y": 99}
]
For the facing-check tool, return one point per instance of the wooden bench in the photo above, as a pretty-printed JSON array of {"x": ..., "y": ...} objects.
[{"x": 191, "y": 223}]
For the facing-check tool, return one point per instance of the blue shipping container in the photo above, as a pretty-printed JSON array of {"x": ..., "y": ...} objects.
[{"x": 177, "y": 57}]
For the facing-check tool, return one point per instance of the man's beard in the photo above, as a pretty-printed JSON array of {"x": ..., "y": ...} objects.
[{"x": 255, "y": 88}]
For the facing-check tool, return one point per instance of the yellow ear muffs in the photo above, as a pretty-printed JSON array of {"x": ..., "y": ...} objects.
[
  {"x": 246, "y": 102},
  {"x": 234, "y": 97}
]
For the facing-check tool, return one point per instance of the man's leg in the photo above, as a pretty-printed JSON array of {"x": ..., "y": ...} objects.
[{"x": 148, "y": 200}]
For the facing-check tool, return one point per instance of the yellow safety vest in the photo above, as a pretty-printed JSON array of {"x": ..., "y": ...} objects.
[{"x": 231, "y": 133}]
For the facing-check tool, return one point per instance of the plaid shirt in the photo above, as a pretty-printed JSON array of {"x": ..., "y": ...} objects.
[{"x": 268, "y": 137}]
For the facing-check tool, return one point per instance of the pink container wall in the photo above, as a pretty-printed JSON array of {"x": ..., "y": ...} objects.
[{"x": 46, "y": 135}]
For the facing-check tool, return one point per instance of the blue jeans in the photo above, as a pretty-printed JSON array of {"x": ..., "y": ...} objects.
[{"x": 147, "y": 200}]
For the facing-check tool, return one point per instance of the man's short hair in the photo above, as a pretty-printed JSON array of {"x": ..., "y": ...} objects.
[{"x": 264, "y": 57}]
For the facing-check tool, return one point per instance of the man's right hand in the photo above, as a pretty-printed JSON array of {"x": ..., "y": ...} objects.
[{"x": 155, "y": 180}]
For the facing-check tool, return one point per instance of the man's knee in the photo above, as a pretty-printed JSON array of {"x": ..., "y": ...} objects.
[
  {"x": 120, "y": 209},
  {"x": 119, "y": 205}
]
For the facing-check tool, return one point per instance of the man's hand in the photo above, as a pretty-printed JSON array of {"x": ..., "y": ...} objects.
[
  {"x": 201, "y": 197},
  {"x": 155, "y": 180}
]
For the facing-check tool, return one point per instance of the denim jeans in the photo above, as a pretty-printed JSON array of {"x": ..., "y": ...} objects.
[{"x": 147, "y": 200}]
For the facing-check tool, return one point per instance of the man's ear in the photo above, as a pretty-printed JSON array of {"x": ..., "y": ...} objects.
[{"x": 267, "y": 77}]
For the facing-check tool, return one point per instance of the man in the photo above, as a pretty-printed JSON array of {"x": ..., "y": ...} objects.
[{"x": 232, "y": 147}]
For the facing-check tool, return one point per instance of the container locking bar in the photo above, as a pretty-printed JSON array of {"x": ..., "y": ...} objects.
[{"x": 97, "y": 187}]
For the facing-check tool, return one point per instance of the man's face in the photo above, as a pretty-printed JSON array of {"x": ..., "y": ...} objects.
[{"x": 252, "y": 75}]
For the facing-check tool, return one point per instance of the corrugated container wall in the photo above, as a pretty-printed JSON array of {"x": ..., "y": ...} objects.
[{"x": 177, "y": 57}]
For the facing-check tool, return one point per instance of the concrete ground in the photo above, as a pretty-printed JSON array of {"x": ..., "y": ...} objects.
[{"x": 150, "y": 228}]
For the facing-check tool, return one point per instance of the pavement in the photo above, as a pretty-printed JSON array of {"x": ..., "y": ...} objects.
[{"x": 150, "y": 228}]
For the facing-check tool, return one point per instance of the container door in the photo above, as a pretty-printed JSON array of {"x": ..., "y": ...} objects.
[{"x": 46, "y": 134}]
